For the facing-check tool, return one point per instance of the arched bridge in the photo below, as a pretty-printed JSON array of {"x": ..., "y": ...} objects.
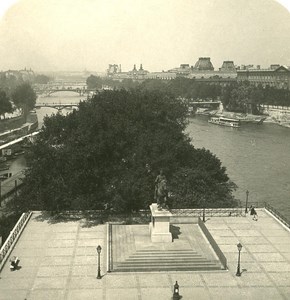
[
  {"x": 61, "y": 86},
  {"x": 81, "y": 92},
  {"x": 58, "y": 106}
]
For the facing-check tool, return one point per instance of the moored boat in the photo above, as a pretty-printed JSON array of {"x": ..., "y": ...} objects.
[
  {"x": 250, "y": 118},
  {"x": 223, "y": 121}
]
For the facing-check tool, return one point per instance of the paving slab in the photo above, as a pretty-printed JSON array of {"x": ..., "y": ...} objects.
[{"x": 58, "y": 260}]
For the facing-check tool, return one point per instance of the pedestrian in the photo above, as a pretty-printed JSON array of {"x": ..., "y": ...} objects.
[{"x": 253, "y": 213}]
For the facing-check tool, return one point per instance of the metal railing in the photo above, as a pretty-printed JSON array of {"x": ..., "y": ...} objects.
[
  {"x": 13, "y": 237},
  {"x": 209, "y": 212},
  {"x": 277, "y": 214}
]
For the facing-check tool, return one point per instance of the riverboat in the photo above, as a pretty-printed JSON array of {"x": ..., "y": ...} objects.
[
  {"x": 223, "y": 121},
  {"x": 250, "y": 119}
]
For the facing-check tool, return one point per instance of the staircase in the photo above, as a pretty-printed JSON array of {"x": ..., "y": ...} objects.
[{"x": 166, "y": 260}]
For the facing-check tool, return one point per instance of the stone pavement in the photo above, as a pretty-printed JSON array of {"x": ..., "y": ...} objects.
[{"x": 59, "y": 261}]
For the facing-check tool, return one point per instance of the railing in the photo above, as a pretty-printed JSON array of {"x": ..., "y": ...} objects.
[
  {"x": 277, "y": 214},
  {"x": 109, "y": 248},
  {"x": 13, "y": 237},
  {"x": 209, "y": 212},
  {"x": 275, "y": 107},
  {"x": 213, "y": 243}
]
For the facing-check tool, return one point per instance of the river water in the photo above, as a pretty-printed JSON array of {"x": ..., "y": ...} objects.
[{"x": 256, "y": 157}]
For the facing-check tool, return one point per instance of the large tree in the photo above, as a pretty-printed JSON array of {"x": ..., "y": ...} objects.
[
  {"x": 5, "y": 104},
  {"x": 24, "y": 97},
  {"x": 110, "y": 151}
]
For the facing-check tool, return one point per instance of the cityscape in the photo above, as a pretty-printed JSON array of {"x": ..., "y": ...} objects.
[{"x": 144, "y": 150}]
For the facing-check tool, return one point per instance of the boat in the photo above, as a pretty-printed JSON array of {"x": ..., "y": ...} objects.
[
  {"x": 225, "y": 121},
  {"x": 243, "y": 118}
]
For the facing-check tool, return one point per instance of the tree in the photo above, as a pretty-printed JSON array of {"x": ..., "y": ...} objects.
[
  {"x": 110, "y": 151},
  {"x": 24, "y": 97},
  {"x": 41, "y": 79},
  {"x": 5, "y": 104}
]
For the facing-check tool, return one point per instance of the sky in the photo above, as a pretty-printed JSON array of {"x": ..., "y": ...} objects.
[{"x": 77, "y": 35}]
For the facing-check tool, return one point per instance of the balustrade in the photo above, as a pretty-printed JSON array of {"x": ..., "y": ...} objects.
[{"x": 12, "y": 238}]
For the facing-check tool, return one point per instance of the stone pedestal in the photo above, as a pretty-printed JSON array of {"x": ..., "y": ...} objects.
[{"x": 159, "y": 225}]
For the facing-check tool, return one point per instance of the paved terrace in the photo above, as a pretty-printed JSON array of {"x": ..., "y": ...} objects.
[{"x": 58, "y": 261}]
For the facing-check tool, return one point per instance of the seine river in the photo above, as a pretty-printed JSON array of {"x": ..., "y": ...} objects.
[{"x": 256, "y": 156}]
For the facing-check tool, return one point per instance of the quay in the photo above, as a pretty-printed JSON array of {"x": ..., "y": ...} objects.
[{"x": 58, "y": 260}]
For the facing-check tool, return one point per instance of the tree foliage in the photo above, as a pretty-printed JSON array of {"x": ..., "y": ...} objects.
[
  {"x": 111, "y": 150},
  {"x": 41, "y": 79},
  {"x": 24, "y": 97},
  {"x": 5, "y": 104}
]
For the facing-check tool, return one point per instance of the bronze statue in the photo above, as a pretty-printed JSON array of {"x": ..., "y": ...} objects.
[{"x": 161, "y": 192}]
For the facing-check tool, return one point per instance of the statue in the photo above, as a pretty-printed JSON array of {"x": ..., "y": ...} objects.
[{"x": 161, "y": 192}]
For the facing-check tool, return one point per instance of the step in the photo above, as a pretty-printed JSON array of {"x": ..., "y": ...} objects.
[
  {"x": 172, "y": 263},
  {"x": 158, "y": 255},
  {"x": 168, "y": 268},
  {"x": 160, "y": 259},
  {"x": 166, "y": 250}
]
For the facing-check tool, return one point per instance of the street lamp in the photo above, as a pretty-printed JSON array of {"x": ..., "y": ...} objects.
[
  {"x": 246, "y": 209},
  {"x": 239, "y": 245},
  {"x": 99, "y": 249},
  {"x": 176, "y": 291}
]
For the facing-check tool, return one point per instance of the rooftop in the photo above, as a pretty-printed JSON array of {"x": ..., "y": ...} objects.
[{"x": 58, "y": 260}]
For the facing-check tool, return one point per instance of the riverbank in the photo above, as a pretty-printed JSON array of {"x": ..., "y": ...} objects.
[
  {"x": 247, "y": 118},
  {"x": 14, "y": 128}
]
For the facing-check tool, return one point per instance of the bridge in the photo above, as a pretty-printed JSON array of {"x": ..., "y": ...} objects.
[
  {"x": 204, "y": 102},
  {"x": 61, "y": 86},
  {"x": 58, "y": 106}
]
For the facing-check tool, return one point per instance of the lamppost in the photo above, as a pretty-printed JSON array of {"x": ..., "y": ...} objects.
[
  {"x": 176, "y": 291},
  {"x": 239, "y": 245},
  {"x": 246, "y": 209},
  {"x": 99, "y": 249}
]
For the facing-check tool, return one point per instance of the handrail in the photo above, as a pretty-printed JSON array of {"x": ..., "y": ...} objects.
[
  {"x": 209, "y": 212},
  {"x": 277, "y": 214},
  {"x": 13, "y": 237}
]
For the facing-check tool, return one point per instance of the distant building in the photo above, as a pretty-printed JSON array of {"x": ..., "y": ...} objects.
[
  {"x": 25, "y": 75},
  {"x": 203, "y": 71},
  {"x": 115, "y": 72},
  {"x": 203, "y": 64},
  {"x": 275, "y": 76}
]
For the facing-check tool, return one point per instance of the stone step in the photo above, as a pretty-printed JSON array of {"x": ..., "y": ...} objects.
[
  {"x": 164, "y": 259},
  {"x": 169, "y": 267},
  {"x": 160, "y": 255},
  {"x": 165, "y": 251}
]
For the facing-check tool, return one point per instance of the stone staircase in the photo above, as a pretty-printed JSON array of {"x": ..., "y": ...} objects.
[{"x": 166, "y": 260}]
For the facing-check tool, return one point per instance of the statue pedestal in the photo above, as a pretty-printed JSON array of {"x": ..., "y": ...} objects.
[{"x": 159, "y": 225}]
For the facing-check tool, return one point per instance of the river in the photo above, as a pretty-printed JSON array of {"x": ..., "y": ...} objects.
[{"x": 256, "y": 157}]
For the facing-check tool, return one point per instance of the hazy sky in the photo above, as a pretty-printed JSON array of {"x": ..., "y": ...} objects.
[{"x": 160, "y": 34}]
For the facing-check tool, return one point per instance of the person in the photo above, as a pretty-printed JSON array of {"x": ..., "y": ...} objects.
[{"x": 253, "y": 213}]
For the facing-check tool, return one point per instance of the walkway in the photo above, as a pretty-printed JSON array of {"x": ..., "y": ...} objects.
[{"x": 58, "y": 261}]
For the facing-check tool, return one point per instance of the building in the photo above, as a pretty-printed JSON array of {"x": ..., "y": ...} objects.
[
  {"x": 275, "y": 76},
  {"x": 203, "y": 71},
  {"x": 203, "y": 64},
  {"x": 115, "y": 72},
  {"x": 25, "y": 75}
]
